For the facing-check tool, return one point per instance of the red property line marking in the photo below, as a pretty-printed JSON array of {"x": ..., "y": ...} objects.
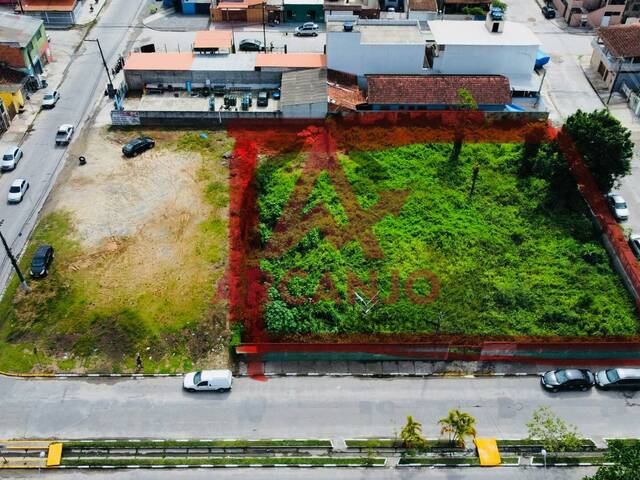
[{"x": 375, "y": 131}]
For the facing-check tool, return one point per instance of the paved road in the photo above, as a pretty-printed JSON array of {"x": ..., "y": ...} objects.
[
  {"x": 328, "y": 474},
  {"x": 295, "y": 408},
  {"x": 83, "y": 85}
]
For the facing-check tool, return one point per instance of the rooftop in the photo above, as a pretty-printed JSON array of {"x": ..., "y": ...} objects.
[
  {"x": 303, "y": 2},
  {"x": 437, "y": 89},
  {"x": 188, "y": 61},
  {"x": 291, "y": 60},
  {"x": 213, "y": 39},
  {"x": 48, "y": 5},
  {"x": 423, "y": 5},
  {"x": 457, "y": 32},
  {"x": 622, "y": 40},
  {"x": 302, "y": 87},
  {"x": 242, "y": 5},
  {"x": 18, "y": 29},
  {"x": 382, "y": 32}
]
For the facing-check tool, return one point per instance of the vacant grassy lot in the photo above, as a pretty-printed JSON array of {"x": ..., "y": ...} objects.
[
  {"x": 508, "y": 261},
  {"x": 140, "y": 246}
]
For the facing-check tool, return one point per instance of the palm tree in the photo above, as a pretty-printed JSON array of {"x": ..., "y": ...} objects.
[
  {"x": 458, "y": 425},
  {"x": 411, "y": 434}
]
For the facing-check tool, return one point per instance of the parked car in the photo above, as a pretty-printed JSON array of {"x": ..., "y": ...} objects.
[
  {"x": 41, "y": 261},
  {"x": 618, "y": 206},
  {"x": 251, "y": 45},
  {"x": 567, "y": 379},
  {"x": 263, "y": 98},
  {"x": 634, "y": 243},
  {"x": 208, "y": 380},
  {"x": 308, "y": 29},
  {"x": 549, "y": 12},
  {"x": 64, "y": 134},
  {"x": 276, "y": 94},
  {"x": 17, "y": 190},
  {"x": 618, "y": 378},
  {"x": 11, "y": 158},
  {"x": 50, "y": 99},
  {"x": 138, "y": 146}
]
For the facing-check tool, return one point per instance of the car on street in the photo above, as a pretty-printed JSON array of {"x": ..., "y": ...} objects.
[
  {"x": 567, "y": 379},
  {"x": 64, "y": 134},
  {"x": 619, "y": 379},
  {"x": 41, "y": 261},
  {"x": 308, "y": 29},
  {"x": 618, "y": 206},
  {"x": 263, "y": 98},
  {"x": 208, "y": 380},
  {"x": 634, "y": 243},
  {"x": 17, "y": 190},
  {"x": 251, "y": 45},
  {"x": 11, "y": 158},
  {"x": 50, "y": 99},
  {"x": 138, "y": 146},
  {"x": 549, "y": 12}
]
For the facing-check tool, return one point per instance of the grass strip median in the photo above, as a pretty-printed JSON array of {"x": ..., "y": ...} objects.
[
  {"x": 593, "y": 460},
  {"x": 76, "y": 444},
  {"x": 394, "y": 443},
  {"x": 585, "y": 444},
  {"x": 451, "y": 461},
  {"x": 242, "y": 461}
]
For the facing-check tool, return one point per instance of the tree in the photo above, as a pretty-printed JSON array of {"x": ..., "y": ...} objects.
[
  {"x": 604, "y": 143},
  {"x": 554, "y": 433},
  {"x": 467, "y": 102},
  {"x": 625, "y": 455},
  {"x": 498, "y": 4},
  {"x": 458, "y": 425},
  {"x": 411, "y": 435}
]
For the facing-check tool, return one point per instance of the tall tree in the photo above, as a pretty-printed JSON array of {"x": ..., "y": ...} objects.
[
  {"x": 458, "y": 425},
  {"x": 625, "y": 456},
  {"x": 604, "y": 143},
  {"x": 554, "y": 433},
  {"x": 411, "y": 434}
]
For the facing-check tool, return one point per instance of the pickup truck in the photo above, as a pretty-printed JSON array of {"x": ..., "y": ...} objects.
[{"x": 64, "y": 134}]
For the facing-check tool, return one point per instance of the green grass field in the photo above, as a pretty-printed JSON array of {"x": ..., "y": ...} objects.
[{"x": 508, "y": 260}]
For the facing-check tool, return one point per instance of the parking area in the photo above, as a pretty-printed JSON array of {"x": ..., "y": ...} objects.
[{"x": 232, "y": 100}]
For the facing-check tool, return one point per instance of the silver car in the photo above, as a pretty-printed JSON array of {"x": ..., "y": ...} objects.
[
  {"x": 619, "y": 379},
  {"x": 11, "y": 158},
  {"x": 618, "y": 206},
  {"x": 308, "y": 29}
]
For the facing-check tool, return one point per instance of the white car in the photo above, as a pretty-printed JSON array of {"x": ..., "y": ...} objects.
[
  {"x": 618, "y": 206},
  {"x": 208, "y": 380},
  {"x": 11, "y": 158},
  {"x": 17, "y": 190},
  {"x": 50, "y": 99},
  {"x": 308, "y": 29},
  {"x": 64, "y": 134}
]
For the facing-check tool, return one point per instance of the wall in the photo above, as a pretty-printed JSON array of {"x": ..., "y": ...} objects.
[
  {"x": 12, "y": 56},
  {"x": 310, "y": 110},
  {"x": 137, "y": 79},
  {"x": 422, "y": 16},
  {"x": 346, "y": 54},
  {"x": 12, "y": 101},
  {"x": 511, "y": 61},
  {"x": 596, "y": 17},
  {"x": 300, "y": 13},
  {"x": 184, "y": 119}
]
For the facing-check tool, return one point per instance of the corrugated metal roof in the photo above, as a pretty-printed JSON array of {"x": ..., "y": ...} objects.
[
  {"x": 302, "y": 87},
  {"x": 213, "y": 39},
  {"x": 18, "y": 29},
  {"x": 159, "y": 61},
  {"x": 49, "y": 5},
  {"x": 291, "y": 60}
]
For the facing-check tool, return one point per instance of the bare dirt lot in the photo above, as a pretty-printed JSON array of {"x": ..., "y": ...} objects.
[{"x": 140, "y": 247}]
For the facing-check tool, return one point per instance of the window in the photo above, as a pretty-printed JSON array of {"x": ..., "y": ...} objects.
[
  {"x": 38, "y": 35},
  {"x": 203, "y": 383},
  {"x": 311, "y": 14},
  {"x": 636, "y": 7},
  {"x": 495, "y": 27},
  {"x": 290, "y": 14}
]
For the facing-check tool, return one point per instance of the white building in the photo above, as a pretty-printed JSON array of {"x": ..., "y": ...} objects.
[{"x": 449, "y": 47}]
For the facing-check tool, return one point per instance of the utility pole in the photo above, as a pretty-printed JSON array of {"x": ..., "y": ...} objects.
[
  {"x": 264, "y": 26},
  {"x": 20, "y": 5},
  {"x": 16, "y": 267},
  {"x": 104, "y": 62}
]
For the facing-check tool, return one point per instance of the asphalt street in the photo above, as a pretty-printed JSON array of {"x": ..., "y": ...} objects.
[
  {"x": 85, "y": 79},
  {"x": 297, "y": 407},
  {"x": 328, "y": 474}
]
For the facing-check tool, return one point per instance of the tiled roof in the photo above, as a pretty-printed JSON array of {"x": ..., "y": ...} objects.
[
  {"x": 213, "y": 39},
  {"x": 423, "y": 5},
  {"x": 48, "y": 5},
  {"x": 344, "y": 97},
  {"x": 437, "y": 89},
  {"x": 622, "y": 40},
  {"x": 159, "y": 61},
  {"x": 234, "y": 5},
  {"x": 291, "y": 60}
]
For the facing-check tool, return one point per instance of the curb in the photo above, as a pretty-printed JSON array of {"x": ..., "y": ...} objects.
[
  {"x": 585, "y": 464},
  {"x": 448, "y": 465},
  {"x": 257, "y": 465},
  {"x": 89, "y": 375}
]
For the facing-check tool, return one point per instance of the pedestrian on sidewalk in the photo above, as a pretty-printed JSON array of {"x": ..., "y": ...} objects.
[{"x": 138, "y": 362}]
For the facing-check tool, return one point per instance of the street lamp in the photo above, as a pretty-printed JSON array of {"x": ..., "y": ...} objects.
[
  {"x": 104, "y": 62},
  {"x": 264, "y": 26}
]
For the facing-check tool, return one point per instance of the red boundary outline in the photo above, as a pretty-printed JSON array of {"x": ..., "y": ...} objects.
[{"x": 373, "y": 131}]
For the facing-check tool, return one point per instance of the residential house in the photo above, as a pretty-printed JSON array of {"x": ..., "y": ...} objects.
[
  {"x": 23, "y": 43},
  {"x": 437, "y": 92},
  {"x": 616, "y": 56},
  {"x": 194, "y": 7},
  {"x": 301, "y": 11},
  {"x": 358, "y": 8},
  {"x": 422, "y": 10},
  {"x": 593, "y": 13},
  {"x": 375, "y": 47},
  {"x": 631, "y": 10},
  {"x": 13, "y": 90},
  {"x": 248, "y": 11},
  {"x": 59, "y": 13}
]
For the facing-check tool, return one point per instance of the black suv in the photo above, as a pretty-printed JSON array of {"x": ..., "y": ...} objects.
[
  {"x": 567, "y": 379},
  {"x": 41, "y": 261},
  {"x": 137, "y": 146},
  {"x": 549, "y": 12}
]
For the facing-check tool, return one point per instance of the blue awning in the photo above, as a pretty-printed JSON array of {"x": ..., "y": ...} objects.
[
  {"x": 514, "y": 108},
  {"x": 542, "y": 58}
]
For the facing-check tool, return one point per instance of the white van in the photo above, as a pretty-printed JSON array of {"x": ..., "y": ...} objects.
[{"x": 208, "y": 380}]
